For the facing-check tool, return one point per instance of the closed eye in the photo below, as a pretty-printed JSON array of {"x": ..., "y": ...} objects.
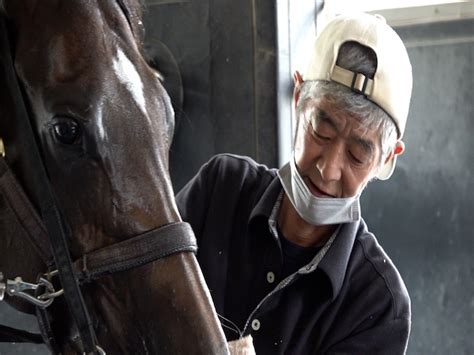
[
  {"x": 324, "y": 138},
  {"x": 317, "y": 134},
  {"x": 355, "y": 159}
]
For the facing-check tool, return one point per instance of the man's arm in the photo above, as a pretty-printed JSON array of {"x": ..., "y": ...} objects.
[
  {"x": 193, "y": 198},
  {"x": 387, "y": 338}
]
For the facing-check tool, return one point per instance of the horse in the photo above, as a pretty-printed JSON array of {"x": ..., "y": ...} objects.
[{"x": 104, "y": 125}]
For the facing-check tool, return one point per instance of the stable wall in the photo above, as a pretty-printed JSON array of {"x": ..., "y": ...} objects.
[
  {"x": 423, "y": 216},
  {"x": 225, "y": 52}
]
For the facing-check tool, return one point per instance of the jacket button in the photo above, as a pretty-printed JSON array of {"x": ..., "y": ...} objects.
[
  {"x": 255, "y": 324},
  {"x": 270, "y": 277}
]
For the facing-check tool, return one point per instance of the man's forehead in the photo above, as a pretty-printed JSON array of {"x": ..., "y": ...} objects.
[
  {"x": 327, "y": 113},
  {"x": 338, "y": 118}
]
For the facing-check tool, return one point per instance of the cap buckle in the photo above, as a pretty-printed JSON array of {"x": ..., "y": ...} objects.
[{"x": 359, "y": 83}]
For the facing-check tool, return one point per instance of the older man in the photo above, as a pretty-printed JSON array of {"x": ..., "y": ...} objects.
[{"x": 286, "y": 254}]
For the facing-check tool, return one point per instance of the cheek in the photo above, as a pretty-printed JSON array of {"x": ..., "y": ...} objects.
[
  {"x": 355, "y": 182},
  {"x": 306, "y": 151},
  {"x": 300, "y": 142},
  {"x": 298, "y": 148}
]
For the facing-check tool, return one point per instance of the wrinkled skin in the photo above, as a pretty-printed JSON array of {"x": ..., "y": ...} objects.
[{"x": 105, "y": 123}]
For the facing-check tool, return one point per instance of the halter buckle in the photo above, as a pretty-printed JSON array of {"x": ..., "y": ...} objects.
[
  {"x": 2, "y": 148},
  {"x": 29, "y": 291}
]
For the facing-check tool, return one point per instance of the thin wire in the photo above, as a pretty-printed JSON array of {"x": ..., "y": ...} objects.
[
  {"x": 226, "y": 326},
  {"x": 235, "y": 327}
]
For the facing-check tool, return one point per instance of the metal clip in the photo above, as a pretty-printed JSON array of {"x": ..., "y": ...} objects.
[
  {"x": 22, "y": 289},
  {"x": 2, "y": 148},
  {"x": 49, "y": 275},
  {"x": 98, "y": 351},
  {"x": 3, "y": 287}
]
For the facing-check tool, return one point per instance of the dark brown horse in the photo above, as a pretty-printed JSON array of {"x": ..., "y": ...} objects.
[{"x": 104, "y": 123}]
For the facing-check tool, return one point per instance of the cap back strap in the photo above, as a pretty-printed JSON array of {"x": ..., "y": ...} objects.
[{"x": 357, "y": 82}]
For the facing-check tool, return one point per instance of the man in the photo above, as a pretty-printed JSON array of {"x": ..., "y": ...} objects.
[{"x": 285, "y": 253}]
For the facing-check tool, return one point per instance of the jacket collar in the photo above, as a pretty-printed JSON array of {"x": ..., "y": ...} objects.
[
  {"x": 265, "y": 205},
  {"x": 335, "y": 262}
]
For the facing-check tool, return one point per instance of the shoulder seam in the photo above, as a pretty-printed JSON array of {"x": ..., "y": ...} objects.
[
  {"x": 246, "y": 161},
  {"x": 396, "y": 311}
]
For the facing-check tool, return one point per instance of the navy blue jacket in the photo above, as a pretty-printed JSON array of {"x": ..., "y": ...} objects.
[{"x": 353, "y": 302}]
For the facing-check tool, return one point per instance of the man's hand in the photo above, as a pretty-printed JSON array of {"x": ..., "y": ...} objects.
[{"x": 242, "y": 346}]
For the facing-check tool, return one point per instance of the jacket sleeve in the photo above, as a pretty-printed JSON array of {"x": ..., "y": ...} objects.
[{"x": 386, "y": 338}]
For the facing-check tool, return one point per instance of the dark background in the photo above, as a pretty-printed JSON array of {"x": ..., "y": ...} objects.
[{"x": 231, "y": 70}]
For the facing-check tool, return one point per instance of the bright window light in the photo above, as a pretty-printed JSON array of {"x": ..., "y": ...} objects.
[{"x": 339, "y": 6}]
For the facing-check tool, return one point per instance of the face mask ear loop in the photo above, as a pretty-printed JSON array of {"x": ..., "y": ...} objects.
[
  {"x": 355, "y": 209},
  {"x": 299, "y": 180}
]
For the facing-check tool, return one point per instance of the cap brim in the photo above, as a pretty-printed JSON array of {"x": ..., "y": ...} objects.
[{"x": 387, "y": 169}]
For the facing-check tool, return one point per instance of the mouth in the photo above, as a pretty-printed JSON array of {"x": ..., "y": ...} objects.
[{"x": 316, "y": 191}]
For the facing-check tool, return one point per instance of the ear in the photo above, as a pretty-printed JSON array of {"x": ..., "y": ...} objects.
[
  {"x": 397, "y": 150},
  {"x": 298, "y": 80}
]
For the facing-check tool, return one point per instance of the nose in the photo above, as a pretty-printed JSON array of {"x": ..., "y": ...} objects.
[{"x": 330, "y": 163}]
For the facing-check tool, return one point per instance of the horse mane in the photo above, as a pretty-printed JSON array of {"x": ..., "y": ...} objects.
[{"x": 134, "y": 11}]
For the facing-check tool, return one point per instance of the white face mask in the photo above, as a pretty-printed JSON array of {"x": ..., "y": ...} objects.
[{"x": 316, "y": 210}]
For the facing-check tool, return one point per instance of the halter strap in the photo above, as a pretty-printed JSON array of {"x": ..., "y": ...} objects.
[
  {"x": 122, "y": 256},
  {"x": 25, "y": 213},
  {"x": 137, "y": 251},
  {"x": 58, "y": 231}
]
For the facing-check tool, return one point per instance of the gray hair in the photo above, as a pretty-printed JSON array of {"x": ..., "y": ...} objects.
[{"x": 357, "y": 58}]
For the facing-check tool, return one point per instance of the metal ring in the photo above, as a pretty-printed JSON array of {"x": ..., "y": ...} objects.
[{"x": 100, "y": 351}]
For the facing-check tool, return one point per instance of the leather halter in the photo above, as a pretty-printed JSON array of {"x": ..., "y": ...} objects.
[
  {"x": 122, "y": 256},
  {"x": 52, "y": 229}
]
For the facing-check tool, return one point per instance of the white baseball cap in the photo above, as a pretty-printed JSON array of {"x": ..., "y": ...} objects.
[{"x": 391, "y": 86}]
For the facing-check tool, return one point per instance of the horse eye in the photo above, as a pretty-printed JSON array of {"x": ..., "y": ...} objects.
[{"x": 67, "y": 131}]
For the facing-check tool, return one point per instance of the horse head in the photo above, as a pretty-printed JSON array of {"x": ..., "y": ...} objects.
[{"x": 104, "y": 124}]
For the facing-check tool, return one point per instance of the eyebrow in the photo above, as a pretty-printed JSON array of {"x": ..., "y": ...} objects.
[
  {"x": 322, "y": 116},
  {"x": 368, "y": 146}
]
